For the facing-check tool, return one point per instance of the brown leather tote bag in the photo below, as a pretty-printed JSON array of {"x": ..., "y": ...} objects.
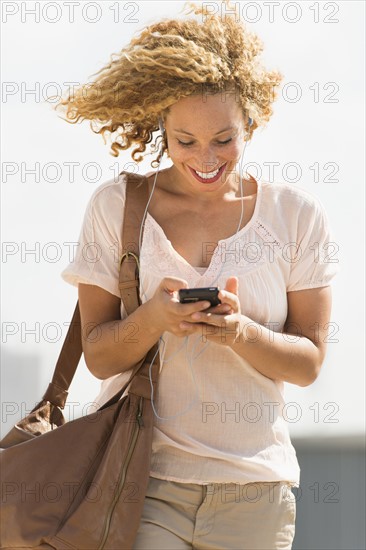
[{"x": 82, "y": 484}]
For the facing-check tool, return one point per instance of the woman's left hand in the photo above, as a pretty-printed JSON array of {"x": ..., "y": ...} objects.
[{"x": 222, "y": 328}]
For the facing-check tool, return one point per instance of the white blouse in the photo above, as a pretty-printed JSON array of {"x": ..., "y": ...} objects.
[{"x": 218, "y": 420}]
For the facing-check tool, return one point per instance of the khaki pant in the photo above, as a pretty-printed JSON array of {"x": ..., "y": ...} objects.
[{"x": 182, "y": 516}]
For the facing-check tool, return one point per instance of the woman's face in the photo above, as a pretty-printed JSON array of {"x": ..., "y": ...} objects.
[{"x": 205, "y": 133}]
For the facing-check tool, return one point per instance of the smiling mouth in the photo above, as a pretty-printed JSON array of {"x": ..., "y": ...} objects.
[{"x": 208, "y": 177}]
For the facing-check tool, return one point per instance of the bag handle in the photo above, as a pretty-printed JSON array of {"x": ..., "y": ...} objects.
[{"x": 137, "y": 193}]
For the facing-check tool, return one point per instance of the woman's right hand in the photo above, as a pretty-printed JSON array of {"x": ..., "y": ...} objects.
[{"x": 166, "y": 312}]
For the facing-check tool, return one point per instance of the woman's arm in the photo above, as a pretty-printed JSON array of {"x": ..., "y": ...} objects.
[
  {"x": 297, "y": 354},
  {"x": 112, "y": 345},
  {"x": 280, "y": 356}
]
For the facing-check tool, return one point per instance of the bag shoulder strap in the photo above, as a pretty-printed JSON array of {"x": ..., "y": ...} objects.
[{"x": 137, "y": 194}]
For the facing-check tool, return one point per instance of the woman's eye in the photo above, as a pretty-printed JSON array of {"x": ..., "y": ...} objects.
[
  {"x": 191, "y": 142},
  {"x": 224, "y": 142},
  {"x": 184, "y": 144}
]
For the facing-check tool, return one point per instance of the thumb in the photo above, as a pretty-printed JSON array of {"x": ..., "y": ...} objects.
[
  {"x": 232, "y": 285},
  {"x": 170, "y": 284}
]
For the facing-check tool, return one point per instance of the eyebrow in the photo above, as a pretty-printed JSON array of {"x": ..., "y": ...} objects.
[{"x": 188, "y": 134}]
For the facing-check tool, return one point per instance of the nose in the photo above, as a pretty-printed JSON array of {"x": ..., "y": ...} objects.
[{"x": 207, "y": 160}]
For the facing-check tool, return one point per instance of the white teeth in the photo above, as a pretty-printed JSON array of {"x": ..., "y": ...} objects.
[{"x": 208, "y": 175}]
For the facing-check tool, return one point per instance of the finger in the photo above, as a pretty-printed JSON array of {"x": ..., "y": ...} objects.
[
  {"x": 229, "y": 298},
  {"x": 187, "y": 309},
  {"x": 232, "y": 285},
  {"x": 220, "y": 309},
  {"x": 189, "y": 328},
  {"x": 171, "y": 284},
  {"x": 207, "y": 332},
  {"x": 207, "y": 318}
]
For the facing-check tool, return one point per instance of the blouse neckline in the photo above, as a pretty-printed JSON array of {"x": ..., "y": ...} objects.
[{"x": 240, "y": 233}]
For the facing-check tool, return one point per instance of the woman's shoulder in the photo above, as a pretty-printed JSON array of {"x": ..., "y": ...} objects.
[
  {"x": 287, "y": 193},
  {"x": 286, "y": 209},
  {"x": 112, "y": 193},
  {"x": 285, "y": 201}
]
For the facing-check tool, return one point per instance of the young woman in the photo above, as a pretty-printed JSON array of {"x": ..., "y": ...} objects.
[{"x": 222, "y": 460}]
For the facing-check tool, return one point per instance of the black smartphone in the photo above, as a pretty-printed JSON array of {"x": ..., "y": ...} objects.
[{"x": 210, "y": 294}]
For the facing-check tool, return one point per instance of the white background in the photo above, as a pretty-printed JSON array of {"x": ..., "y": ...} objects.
[{"x": 316, "y": 46}]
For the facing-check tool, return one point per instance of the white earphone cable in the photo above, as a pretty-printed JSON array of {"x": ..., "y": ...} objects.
[{"x": 190, "y": 356}]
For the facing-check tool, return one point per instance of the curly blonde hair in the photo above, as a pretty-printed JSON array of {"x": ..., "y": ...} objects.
[{"x": 170, "y": 60}]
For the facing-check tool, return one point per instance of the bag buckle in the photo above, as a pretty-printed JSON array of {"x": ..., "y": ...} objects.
[{"x": 135, "y": 257}]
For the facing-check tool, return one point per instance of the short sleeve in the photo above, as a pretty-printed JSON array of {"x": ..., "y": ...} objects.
[
  {"x": 315, "y": 256},
  {"x": 96, "y": 257}
]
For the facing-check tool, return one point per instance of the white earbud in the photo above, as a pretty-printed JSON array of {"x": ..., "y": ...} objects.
[{"x": 161, "y": 126}]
